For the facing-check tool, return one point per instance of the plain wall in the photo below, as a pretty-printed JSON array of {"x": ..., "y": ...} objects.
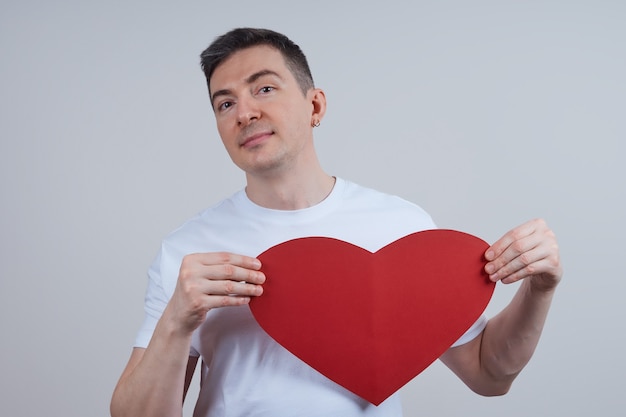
[{"x": 485, "y": 113}]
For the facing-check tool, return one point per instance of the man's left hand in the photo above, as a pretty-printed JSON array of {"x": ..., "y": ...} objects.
[{"x": 529, "y": 251}]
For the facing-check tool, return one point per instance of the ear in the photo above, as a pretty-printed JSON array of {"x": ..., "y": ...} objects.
[{"x": 318, "y": 99}]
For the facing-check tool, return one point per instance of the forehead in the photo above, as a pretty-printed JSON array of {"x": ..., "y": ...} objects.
[{"x": 241, "y": 64}]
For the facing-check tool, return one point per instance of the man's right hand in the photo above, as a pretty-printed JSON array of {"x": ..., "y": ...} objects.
[{"x": 210, "y": 280}]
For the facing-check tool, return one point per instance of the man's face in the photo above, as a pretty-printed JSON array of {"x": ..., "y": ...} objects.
[{"x": 262, "y": 115}]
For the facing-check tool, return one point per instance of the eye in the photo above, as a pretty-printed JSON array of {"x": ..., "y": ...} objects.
[
  {"x": 224, "y": 105},
  {"x": 266, "y": 89}
]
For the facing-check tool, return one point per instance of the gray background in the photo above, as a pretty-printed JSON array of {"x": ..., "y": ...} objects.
[{"x": 485, "y": 113}]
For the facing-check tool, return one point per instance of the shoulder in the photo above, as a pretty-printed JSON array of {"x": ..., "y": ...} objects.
[
  {"x": 373, "y": 200},
  {"x": 209, "y": 220}
]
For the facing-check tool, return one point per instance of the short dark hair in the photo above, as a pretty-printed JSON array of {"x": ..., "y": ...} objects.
[{"x": 241, "y": 38}]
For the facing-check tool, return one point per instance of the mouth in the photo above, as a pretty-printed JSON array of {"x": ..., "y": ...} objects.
[{"x": 255, "y": 139}]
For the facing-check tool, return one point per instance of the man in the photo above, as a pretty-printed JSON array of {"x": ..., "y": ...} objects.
[{"x": 206, "y": 273}]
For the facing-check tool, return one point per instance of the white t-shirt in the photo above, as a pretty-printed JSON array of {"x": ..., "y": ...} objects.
[{"x": 245, "y": 372}]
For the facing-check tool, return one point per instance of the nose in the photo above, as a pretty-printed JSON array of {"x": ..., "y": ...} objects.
[{"x": 247, "y": 111}]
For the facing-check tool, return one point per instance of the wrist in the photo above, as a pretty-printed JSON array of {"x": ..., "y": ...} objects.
[
  {"x": 173, "y": 329},
  {"x": 539, "y": 285}
]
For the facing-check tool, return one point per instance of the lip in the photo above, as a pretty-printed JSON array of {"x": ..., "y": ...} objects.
[{"x": 255, "y": 139}]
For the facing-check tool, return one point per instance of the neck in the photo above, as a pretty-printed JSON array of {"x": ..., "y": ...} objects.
[{"x": 290, "y": 191}]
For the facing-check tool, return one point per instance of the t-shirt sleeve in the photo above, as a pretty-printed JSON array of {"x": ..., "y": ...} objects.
[
  {"x": 472, "y": 332},
  {"x": 156, "y": 300},
  {"x": 154, "y": 305}
]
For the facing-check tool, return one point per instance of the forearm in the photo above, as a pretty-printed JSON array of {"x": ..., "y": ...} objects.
[
  {"x": 510, "y": 338},
  {"x": 155, "y": 385}
]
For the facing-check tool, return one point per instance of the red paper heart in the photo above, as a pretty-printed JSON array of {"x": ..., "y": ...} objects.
[{"x": 369, "y": 321}]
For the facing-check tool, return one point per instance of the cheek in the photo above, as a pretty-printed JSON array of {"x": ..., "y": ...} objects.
[
  {"x": 299, "y": 120},
  {"x": 225, "y": 133}
]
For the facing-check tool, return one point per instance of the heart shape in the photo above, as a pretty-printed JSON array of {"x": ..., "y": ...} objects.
[{"x": 371, "y": 322}]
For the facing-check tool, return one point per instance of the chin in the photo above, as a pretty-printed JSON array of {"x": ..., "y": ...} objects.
[{"x": 262, "y": 166}]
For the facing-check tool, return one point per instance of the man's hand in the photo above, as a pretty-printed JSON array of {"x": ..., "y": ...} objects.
[
  {"x": 210, "y": 280},
  {"x": 528, "y": 251}
]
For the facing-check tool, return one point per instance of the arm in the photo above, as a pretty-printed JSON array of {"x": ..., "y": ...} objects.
[
  {"x": 136, "y": 357},
  {"x": 156, "y": 379},
  {"x": 490, "y": 363}
]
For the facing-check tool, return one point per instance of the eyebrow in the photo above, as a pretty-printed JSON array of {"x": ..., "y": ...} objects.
[{"x": 252, "y": 78}]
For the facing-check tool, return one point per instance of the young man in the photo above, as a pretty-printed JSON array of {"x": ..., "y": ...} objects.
[{"x": 266, "y": 108}]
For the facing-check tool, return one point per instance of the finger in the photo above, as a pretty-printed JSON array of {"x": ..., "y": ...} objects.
[
  {"x": 216, "y": 301},
  {"x": 534, "y": 269},
  {"x": 518, "y": 252},
  {"x": 221, "y": 280},
  {"x": 232, "y": 273},
  {"x": 231, "y": 293},
  {"x": 222, "y": 266},
  {"x": 227, "y": 258},
  {"x": 235, "y": 267},
  {"x": 233, "y": 288},
  {"x": 510, "y": 237},
  {"x": 526, "y": 263},
  {"x": 226, "y": 301}
]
